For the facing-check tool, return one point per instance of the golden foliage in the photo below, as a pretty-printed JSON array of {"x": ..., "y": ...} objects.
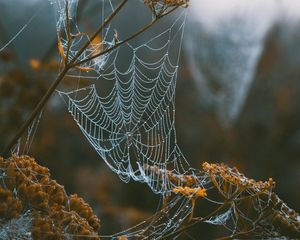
[
  {"x": 10, "y": 207},
  {"x": 61, "y": 49},
  {"x": 78, "y": 205},
  {"x": 37, "y": 65},
  {"x": 34, "y": 63},
  {"x": 28, "y": 186}
]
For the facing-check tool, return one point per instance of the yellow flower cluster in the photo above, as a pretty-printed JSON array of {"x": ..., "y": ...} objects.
[
  {"x": 190, "y": 192},
  {"x": 233, "y": 176}
]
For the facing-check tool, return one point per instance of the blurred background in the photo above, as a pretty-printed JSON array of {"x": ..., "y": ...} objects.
[{"x": 238, "y": 96}]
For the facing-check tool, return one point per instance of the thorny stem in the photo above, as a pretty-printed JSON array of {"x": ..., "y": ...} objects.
[{"x": 72, "y": 64}]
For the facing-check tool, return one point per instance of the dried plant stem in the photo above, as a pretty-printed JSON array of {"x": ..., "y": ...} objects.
[
  {"x": 105, "y": 23},
  {"x": 53, "y": 46},
  {"x": 126, "y": 40},
  {"x": 68, "y": 65},
  {"x": 68, "y": 32},
  {"x": 225, "y": 205}
]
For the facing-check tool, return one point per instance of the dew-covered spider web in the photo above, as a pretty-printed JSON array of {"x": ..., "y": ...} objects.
[
  {"x": 127, "y": 114},
  {"x": 131, "y": 123}
]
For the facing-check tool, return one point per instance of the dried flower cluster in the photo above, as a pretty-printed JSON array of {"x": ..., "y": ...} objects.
[
  {"x": 159, "y": 7},
  {"x": 190, "y": 192},
  {"x": 176, "y": 179},
  {"x": 170, "y": 3},
  {"x": 254, "y": 209},
  {"x": 284, "y": 218},
  {"x": 10, "y": 207},
  {"x": 185, "y": 180},
  {"x": 26, "y": 187},
  {"x": 256, "y": 201},
  {"x": 233, "y": 176},
  {"x": 122, "y": 237}
]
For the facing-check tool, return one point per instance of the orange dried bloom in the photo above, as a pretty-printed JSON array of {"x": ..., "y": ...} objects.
[
  {"x": 34, "y": 63},
  {"x": 84, "y": 210},
  {"x": 27, "y": 186},
  {"x": 233, "y": 176},
  {"x": 170, "y": 3},
  {"x": 190, "y": 192},
  {"x": 122, "y": 237},
  {"x": 10, "y": 207},
  {"x": 176, "y": 179}
]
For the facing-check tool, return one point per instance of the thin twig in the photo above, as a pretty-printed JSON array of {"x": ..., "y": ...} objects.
[
  {"x": 105, "y": 23},
  {"x": 124, "y": 41},
  {"x": 68, "y": 32},
  {"x": 53, "y": 46}
]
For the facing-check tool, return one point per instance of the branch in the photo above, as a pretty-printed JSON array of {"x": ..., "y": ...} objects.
[
  {"x": 124, "y": 41},
  {"x": 71, "y": 64},
  {"x": 105, "y": 23},
  {"x": 59, "y": 78}
]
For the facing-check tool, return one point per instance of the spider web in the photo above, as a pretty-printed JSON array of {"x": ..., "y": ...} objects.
[
  {"x": 132, "y": 124},
  {"x": 127, "y": 114}
]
